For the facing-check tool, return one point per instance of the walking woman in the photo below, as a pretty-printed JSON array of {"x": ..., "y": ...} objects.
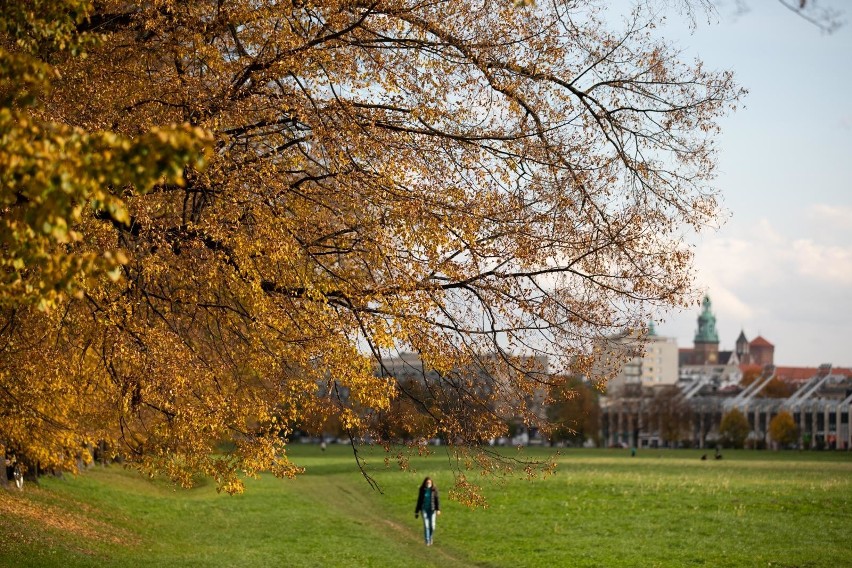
[{"x": 429, "y": 505}]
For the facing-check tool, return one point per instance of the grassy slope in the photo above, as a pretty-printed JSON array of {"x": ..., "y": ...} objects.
[{"x": 603, "y": 508}]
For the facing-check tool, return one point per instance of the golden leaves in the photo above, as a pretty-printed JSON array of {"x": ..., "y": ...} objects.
[
  {"x": 378, "y": 177},
  {"x": 52, "y": 173}
]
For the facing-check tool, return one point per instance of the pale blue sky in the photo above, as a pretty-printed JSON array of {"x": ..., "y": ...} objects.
[{"x": 781, "y": 266}]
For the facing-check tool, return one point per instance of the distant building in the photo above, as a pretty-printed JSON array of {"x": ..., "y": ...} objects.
[
  {"x": 762, "y": 352},
  {"x": 742, "y": 349},
  {"x": 755, "y": 352},
  {"x": 799, "y": 375},
  {"x": 488, "y": 378},
  {"x": 656, "y": 364},
  {"x": 705, "y": 350},
  {"x": 710, "y": 384},
  {"x": 659, "y": 363}
]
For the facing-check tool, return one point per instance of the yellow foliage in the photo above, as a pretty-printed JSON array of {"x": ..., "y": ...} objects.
[{"x": 218, "y": 222}]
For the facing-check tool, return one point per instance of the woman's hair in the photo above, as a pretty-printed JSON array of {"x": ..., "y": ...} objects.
[{"x": 422, "y": 485}]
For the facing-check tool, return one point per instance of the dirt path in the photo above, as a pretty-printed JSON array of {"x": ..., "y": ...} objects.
[{"x": 359, "y": 506}]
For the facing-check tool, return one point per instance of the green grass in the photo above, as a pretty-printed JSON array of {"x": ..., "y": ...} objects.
[{"x": 602, "y": 508}]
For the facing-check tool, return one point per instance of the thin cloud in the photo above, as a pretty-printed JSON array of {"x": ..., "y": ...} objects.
[
  {"x": 839, "y": 216},
  {"x": 821, "y": 262},
  {"x": 788, "y": 289}
]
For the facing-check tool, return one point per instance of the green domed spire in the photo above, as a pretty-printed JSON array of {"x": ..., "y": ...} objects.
[{"x": 706, "y": 324}]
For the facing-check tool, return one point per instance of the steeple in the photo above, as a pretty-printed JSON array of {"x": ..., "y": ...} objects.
[
  {"x": 742, "y": 345},
  {"x": 707, "y": 324}
]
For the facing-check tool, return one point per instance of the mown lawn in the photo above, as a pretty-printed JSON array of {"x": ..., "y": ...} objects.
[{"x": 602, "y": 508}]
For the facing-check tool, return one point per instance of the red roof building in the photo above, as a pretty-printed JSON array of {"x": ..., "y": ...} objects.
[
  {"x": 761, "y": 351},
  {"x": 802, "y": 374}
]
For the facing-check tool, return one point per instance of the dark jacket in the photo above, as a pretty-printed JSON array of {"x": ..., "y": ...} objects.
[{"x": 436, "y": 505}]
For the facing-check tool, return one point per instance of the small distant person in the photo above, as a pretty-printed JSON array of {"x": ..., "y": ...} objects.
[
  {"x": 322, "y": 445},
  {"x": 429, "y": 506},
  {"x": 718, "y": 453}
]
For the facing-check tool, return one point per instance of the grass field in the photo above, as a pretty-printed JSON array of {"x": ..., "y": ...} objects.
[{"x": 602, "y": 508}]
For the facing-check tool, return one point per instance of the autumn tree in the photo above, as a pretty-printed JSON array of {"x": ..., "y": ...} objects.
[
  {"x": 775, "y": 388},
  {"x": 53, "y": 175},
  {"x": 734, "y": 428},
  {"x": 783, "y": 428},
  {"x": 573, "y": 410},
  {"x": 51, "y": 171},
  {"x": 470, "y": 181},
  {"x": 670, "y": 413},
  {"x": 750, "y": 374}
]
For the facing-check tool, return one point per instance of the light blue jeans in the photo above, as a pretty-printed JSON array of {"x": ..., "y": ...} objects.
[{"x": 428, "y": 524}]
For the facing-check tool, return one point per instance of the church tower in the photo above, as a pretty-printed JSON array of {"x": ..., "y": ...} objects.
[
  {"x": 742, "y": 349},
  {"x": 706, "y": 340}
]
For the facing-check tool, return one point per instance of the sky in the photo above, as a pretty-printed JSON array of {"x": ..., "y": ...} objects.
[{"x": 781, "y": 265}]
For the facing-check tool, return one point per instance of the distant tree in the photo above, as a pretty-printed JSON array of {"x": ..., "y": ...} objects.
[
  {"x": 671, "y": 413},
  {"x": 408, "y": 418},
  {"x": 783, "y": 428},
  {"x": 777, "y": 388},
  {"x": 750, "y": 374},
  {"x": 573, "y": 411},
  {"x": 734, "y": 428}
]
